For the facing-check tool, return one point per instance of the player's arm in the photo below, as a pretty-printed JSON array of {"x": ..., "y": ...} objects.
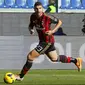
[
  {"x": 31, "y": 25},
  {"x": 56, "y": 21}
]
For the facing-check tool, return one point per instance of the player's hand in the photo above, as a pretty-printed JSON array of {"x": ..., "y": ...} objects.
[
  {"x": 31, "y": 31},
  {"x": 49, "y": 32}
]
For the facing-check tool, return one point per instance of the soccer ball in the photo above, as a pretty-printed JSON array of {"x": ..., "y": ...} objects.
[{"x": 9, "y": 78}]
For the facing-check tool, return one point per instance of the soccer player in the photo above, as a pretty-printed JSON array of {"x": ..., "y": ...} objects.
[{"x": 42, "y": 23}]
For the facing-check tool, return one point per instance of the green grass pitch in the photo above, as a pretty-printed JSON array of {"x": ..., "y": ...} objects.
[{"x": 48, "y": 77}]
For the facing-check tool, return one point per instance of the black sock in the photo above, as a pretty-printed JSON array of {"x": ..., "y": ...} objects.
[
  {"x": 73, "y": 60},
  {"x": 25, "y": 69},
  {"x": 65, "y": 59}
]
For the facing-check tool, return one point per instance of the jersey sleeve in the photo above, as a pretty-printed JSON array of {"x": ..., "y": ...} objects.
[
  {"x": 31, "y": 25},
  {"x": 53, "y": 19}
]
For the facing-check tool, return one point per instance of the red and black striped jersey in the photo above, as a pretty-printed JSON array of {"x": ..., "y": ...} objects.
[{"x": 42, "y": 24}]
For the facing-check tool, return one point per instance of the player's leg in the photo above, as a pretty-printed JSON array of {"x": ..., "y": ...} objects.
[
  {"x": 52, "y": 54},
  {"x": 40, "y": 49},
  {"x": 30, "y": 57},
  {"x": 60, "y": 58},
  {"x": 67, "y": 59},
  {"x": 64, "y": 59}
]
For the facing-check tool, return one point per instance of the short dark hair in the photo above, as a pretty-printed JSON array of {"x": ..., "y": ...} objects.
[{"x": 37, "y": 3}]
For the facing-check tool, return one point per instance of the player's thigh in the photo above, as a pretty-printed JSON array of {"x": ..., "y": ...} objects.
[
  {"x": 33, "y": 54},
  {"x": 53, "y": 55}
]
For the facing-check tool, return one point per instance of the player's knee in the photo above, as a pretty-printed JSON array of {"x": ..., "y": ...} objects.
[
  {"x": 54, "y": 60},
  {"x": 29, "y": 57}
]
